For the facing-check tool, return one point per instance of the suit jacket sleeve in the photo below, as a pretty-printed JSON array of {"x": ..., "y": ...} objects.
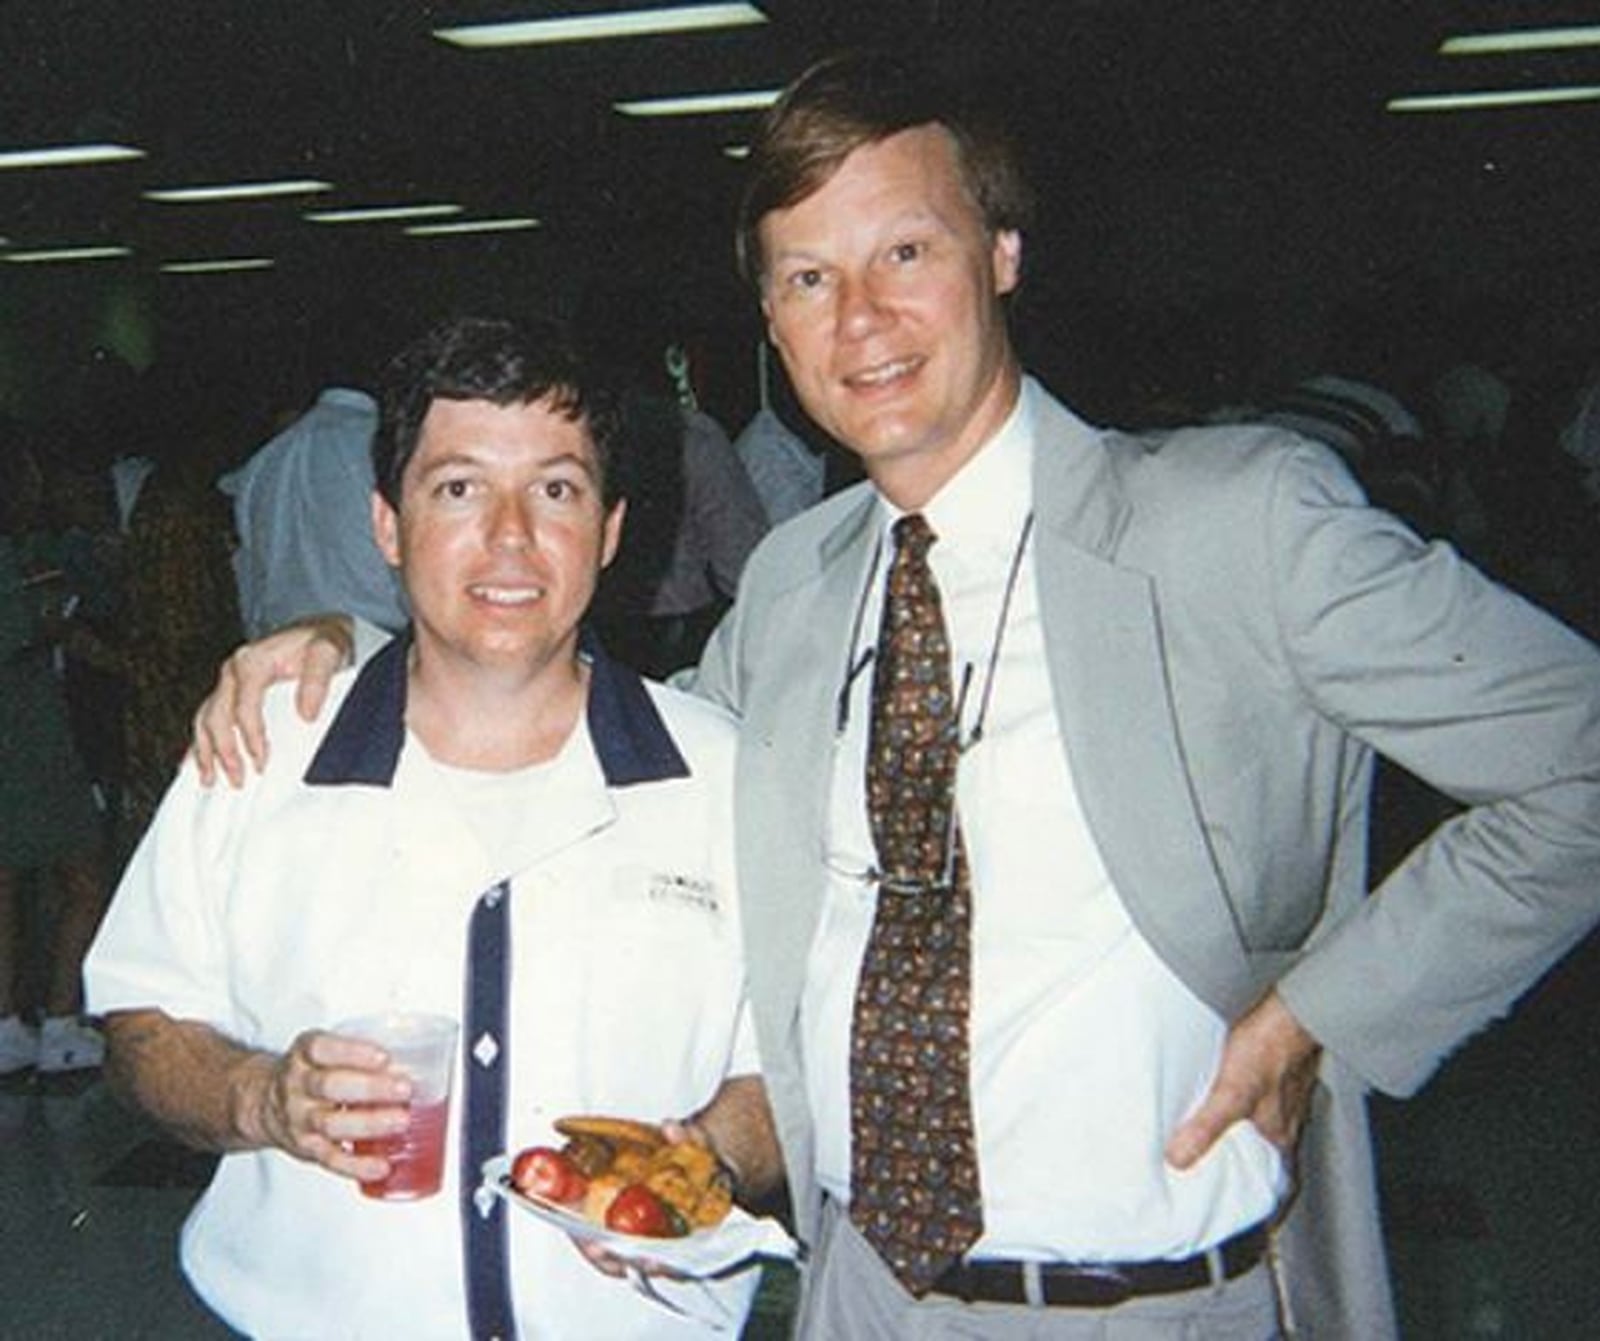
[
  {"x": 720, "y": 674},
  {"x": 1488, "y": 699}
]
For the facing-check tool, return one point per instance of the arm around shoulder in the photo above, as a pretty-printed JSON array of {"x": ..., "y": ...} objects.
[{"x": 228, "y": 726}]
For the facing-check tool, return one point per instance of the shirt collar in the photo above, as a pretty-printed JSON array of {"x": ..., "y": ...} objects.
[
  {"x": 363, "y": 745},
  {"x": 987, "y": 500},
  {"x": 352, "y": 398}
]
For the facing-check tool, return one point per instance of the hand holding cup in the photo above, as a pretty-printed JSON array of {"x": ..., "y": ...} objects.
[{"x": 420, "y": 1050}]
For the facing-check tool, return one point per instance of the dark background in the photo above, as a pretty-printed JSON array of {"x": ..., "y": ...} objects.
[{"x": 1217, "y": 181}]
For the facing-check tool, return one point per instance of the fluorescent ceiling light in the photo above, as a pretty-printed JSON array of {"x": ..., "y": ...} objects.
[
  {"x": 192, "y": 195},
  {"x": 67, "y": 254},
  {"x": 736, "y": 150},
  {"x": 696, "y": 104},
  {"x": 67, "y": 155},
  {"x": 472, "y": 226},
  {"x": 381, "y": 214},
  {"x": 1528, "y": 39},
  {"x": 1522, "y": 97},
  {"x": 218, "y": 267},
  {"x": 588, "y": 27}
]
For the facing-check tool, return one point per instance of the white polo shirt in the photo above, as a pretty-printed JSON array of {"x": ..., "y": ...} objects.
[{"x": 340, "y": 882}]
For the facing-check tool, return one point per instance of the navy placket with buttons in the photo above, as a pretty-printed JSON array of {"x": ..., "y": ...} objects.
[{"x": 483, "y": 1122}]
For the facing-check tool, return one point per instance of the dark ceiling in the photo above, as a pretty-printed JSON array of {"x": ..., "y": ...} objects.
[{"x": 1180, "y": 149}]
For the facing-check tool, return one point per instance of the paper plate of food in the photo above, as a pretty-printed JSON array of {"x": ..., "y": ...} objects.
[{"x": 619, "y": 1183}]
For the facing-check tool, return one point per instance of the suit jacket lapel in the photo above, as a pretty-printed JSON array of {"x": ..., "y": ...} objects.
[
  {"x": 1109, "y": 679},
  {"x": 796, "y": 750}
]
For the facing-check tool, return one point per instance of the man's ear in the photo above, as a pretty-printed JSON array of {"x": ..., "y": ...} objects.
[
  {"x": 611, "y": 536},
  {"x": 766, "y": 316},
  {"x": 386, "y": 529},
  {"x": 1007, "y": 260}
]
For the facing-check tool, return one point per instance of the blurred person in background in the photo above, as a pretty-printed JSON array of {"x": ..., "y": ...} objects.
[
  {"x": 81, "y": 507},
  {"x": 301, "y": 503},
  {"x": 695, "y": 516},
  {"x": 50, "y": 827},
  {"x": 180, "y": 602}
]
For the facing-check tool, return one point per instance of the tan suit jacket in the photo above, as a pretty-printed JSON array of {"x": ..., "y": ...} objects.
[{"x": 1232, "y": 633}]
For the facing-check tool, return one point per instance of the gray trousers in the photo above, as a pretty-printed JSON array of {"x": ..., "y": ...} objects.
[{"x": 849, "y": 1295}]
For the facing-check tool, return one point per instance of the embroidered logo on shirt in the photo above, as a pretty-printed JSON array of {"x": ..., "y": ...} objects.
[{"x": 682, "y": 891}]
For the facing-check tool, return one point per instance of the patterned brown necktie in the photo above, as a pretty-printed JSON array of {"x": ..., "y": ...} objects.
[{"x": 914, "y": 1190}]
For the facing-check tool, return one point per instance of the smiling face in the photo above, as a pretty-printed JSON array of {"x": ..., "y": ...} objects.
[
  {"x": 500, "y": 536},
  {"x": 882, "y": 293}
]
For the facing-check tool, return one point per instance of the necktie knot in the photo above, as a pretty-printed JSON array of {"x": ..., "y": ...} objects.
[{"x": 913, "y": 536}]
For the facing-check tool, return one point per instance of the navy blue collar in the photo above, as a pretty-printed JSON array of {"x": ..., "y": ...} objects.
[{"x": 363, "y": 744}]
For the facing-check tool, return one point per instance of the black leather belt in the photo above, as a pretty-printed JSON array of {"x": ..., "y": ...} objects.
[{"x": 1100, "y": 1284}]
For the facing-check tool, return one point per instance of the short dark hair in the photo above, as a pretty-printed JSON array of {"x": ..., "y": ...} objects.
[
  {"x": 505, "y": 363},
  {"x": 863, "y": 97}
]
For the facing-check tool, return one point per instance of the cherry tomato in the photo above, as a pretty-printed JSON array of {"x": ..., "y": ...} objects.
[
  {"x": 637, "y": 1210},
  {"x": 540, "y": 1171}
]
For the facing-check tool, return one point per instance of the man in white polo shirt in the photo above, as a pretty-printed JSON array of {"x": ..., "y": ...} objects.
[{"x": 492, "y": 825}]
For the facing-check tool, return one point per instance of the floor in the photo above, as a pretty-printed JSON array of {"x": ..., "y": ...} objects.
[{"x": 1491, "y": 1176}]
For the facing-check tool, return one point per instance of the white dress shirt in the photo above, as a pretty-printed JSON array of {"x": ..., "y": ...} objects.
[{"x": 1087, "y": 1050}]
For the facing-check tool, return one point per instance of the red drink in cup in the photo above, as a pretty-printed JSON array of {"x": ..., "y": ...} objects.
[
  {"x": 423, "y": 1046},
  {"x": 415, "y": 1155}
]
